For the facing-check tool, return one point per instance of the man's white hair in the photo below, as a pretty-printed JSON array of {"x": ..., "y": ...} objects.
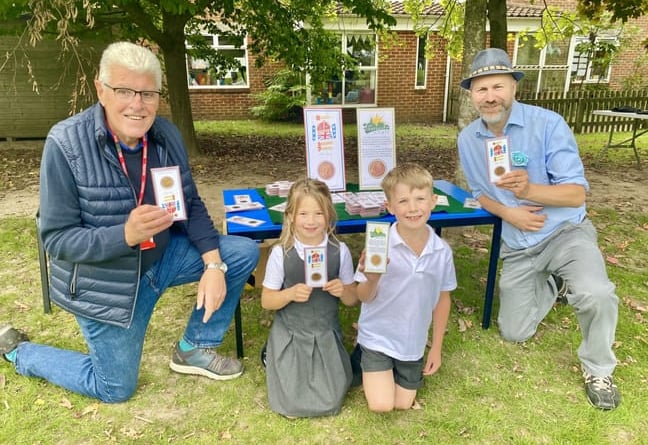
[{"x": 133, "y": 57}]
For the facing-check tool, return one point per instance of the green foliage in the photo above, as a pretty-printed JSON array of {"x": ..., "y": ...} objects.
[
  {"x": 450, "y": 26},
  {"x": 283, "y": 98},
  {"x": 12, "y": 9},
  {"x": 559, "y": 25},
  {"x": 620, "y": 10}
]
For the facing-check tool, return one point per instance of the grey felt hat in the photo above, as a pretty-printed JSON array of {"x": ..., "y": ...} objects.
[{"x": 490, "y": 61}]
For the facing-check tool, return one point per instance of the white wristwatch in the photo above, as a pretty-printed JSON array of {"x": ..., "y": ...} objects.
[{"x": 218, "y": 266}]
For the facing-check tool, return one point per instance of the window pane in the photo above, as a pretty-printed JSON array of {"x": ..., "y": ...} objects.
[
  {"x": 201, "y": 73},
  {"x": 362, "y": 47},
  {"x": 529, "y": 82},
  {"x": 353, "y": 86},
  {"x": 421, "y": 62},
  {"x": 553, "y": 80},
  {"x": 360, "y": 87},
  {"x": 591, "y": 62},
  {"x": 557, "y": 53},
  {"x": 527, "y": 53},
  {"x": 228, "y": 41}
]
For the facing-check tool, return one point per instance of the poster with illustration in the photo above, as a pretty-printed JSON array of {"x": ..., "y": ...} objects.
[
  {"x": 376, "y": 145},
  {"x": 325, "y": 146}
]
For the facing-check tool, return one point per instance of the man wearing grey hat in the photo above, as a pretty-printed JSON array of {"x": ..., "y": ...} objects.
[{"x": 522, "y": 164}]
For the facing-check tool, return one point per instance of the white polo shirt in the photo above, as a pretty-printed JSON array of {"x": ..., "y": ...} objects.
[
  {"x": 274, "y": 276},
  {"x": 397, "y": 321}
]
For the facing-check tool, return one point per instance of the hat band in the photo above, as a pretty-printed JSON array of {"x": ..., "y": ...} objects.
[{"x": 491, "y": 68}]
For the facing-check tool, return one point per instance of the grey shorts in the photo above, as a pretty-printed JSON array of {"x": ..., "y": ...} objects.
[{"x": 408, "y": 375}]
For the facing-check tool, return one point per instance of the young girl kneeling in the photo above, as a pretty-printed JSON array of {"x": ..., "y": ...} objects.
[{"x": 308, "y": 370}]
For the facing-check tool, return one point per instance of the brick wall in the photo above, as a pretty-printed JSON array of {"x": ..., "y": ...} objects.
[
  {"x": 397, "y": 80},
  {"x": 395, "y": 88},
  {"x": 230, "y": 103}
]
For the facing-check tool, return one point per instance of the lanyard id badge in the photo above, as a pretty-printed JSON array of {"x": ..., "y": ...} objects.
[{"x": 150, "y": 243}]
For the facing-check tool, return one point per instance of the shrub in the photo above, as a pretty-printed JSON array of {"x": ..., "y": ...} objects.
[{"x": 283, "y": 99}]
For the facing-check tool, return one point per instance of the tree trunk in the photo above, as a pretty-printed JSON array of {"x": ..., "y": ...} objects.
[
  {"x": 474, "y": 41},
  {"x": 497, "y": 21},
  {"x": 174, "y": 52}
]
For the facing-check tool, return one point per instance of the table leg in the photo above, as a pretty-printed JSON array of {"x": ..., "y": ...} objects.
[
  {"x": 492, "y": 273},
  {"x": 634, "y": 138},
  {"x": 238, "y": 327}
]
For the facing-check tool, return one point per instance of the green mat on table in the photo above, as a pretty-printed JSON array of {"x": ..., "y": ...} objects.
[{"x": 277, "y": 217}]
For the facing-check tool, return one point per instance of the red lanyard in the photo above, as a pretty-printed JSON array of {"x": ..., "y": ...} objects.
[
  {"x": 150, "y": 243},
  {"x": 122, "y": 161}
]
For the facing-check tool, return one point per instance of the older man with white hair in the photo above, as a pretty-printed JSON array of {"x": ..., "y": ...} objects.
[{"x": 114, "y": 249}]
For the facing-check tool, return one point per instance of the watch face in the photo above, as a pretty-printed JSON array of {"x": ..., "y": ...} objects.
[{"x": 220, "y": 266}]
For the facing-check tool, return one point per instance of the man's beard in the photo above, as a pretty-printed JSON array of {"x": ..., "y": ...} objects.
[{"x": 500, "y": 117}]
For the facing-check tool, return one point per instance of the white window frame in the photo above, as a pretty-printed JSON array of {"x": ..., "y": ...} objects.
[
  {"x": 418, "y": 65},
  {"x": 315, "y": 98},
  {"x": 586, "y": 71},
  {"x": 227, "y": 81},
  {"x": 541, "y": 67}
]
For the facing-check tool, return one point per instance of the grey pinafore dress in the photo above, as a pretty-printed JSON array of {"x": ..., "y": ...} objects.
[{"x": 308, "y": 370}]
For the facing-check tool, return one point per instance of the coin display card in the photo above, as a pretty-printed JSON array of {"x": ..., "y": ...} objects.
[
  {"x": 168, "y": 191},
  {"x": 376, "y": 247},
  {"x": 315, "y": 266},
  {"x": 499, "y": 159}
]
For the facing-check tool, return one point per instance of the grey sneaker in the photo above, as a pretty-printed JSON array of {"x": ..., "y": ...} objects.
[
  {"x": 602, "y": 392},
  {"x": 205, "y": 362},
  {"x": 10, "y": 338},
  {"x": 561, "y": 285}
]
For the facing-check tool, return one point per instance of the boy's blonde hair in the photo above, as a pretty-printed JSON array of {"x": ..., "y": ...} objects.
[
  {"x": 409, "y": 174},
  {"x": 302, "y": 188}
]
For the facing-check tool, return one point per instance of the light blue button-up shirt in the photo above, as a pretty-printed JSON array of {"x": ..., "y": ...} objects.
[{"x": 552, "y": 154}]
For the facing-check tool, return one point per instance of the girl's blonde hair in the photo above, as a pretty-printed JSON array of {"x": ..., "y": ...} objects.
[{"x": 302, "y": 188}]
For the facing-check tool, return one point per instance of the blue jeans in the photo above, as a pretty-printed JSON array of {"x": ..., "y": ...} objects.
[{"x": 110, "y": 370}]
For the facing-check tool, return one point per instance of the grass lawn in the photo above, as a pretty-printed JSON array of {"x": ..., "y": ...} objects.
[{"x": 487, "y": 392}]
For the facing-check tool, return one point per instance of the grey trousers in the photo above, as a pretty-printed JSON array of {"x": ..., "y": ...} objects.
[{"x": 527, "y": 292}]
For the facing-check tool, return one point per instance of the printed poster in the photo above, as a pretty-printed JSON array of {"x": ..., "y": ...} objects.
[
  {"x": 376, "y": 145},
  {"x": 325, "y": 146}
]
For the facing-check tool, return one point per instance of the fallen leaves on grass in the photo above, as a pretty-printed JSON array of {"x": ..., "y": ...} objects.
[
  {"x": 612, "y": 259},
  {"x": 464, "y": 325},
  {"x": 636, "y": 305},
  {"x": 90, "y": 410}
]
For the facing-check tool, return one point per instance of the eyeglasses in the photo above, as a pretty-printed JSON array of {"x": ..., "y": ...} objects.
[{"x": 128, "y": 94}]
